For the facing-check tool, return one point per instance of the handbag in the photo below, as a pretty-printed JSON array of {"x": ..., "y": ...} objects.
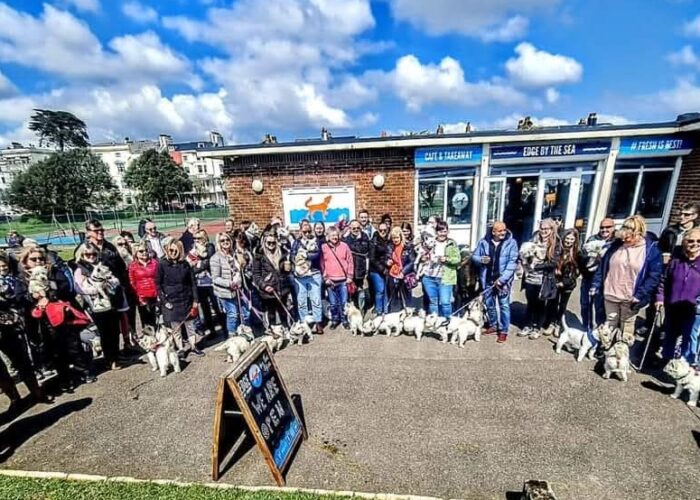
[
  {"x": 352, "y": 287},
  {"x": 410, "y": 280},
  {"x": 548, "y": 290}
]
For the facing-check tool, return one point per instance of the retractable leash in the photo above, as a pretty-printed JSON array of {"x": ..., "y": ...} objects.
[
  {"x": 482, "y": 294},
  {"x": 652, "y": 331},
  {"x": 289, "y": 315}
]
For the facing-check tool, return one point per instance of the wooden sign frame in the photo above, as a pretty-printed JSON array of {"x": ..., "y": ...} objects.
[{"x": 228, "y": 409}]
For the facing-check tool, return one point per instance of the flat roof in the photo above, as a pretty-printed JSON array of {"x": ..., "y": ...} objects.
[{"x": 565, "y": 132}]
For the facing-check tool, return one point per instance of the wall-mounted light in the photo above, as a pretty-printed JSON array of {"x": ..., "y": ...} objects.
[
  {"x": 257, "y": 186},
  {"x": 378, "y": 181}
]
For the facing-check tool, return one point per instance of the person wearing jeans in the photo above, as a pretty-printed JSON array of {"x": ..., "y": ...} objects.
[
  {"x": 441, "y": 272},
  {"x": 589, "y": 260},
  {"x": 378, "y": 255},
  {"x": 228, "y": 271},
  {"x": 338, "y": 267},
  {"x": 497, "y": 259},
  {"x": 307, "y": 280}
]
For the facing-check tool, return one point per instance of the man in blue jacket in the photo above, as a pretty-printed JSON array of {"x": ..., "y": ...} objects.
[{"x": 497, "y": 258}]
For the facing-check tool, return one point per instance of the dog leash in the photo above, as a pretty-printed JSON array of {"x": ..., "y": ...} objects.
[
  {"x": 259, "y": 314},
  {"x": 289, "y": 315},
  {"x": 651, "y": 334},
  {"x": 482, "y": 294}
]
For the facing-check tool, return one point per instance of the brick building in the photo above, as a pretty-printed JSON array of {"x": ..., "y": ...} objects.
[{"x": 578, "y": 174}]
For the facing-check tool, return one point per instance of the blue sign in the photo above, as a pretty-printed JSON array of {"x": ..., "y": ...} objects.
[
  {"x": 559, "y": 150},
  {"x": 449, "y": 156},
  {"x": 655, "y": 145}
]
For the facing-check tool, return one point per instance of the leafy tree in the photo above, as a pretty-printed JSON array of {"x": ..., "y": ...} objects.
[
  {"x": 156, "y": 177},
  {"x": 64, "y": 182},
  {"x": 59, "y": 128}
]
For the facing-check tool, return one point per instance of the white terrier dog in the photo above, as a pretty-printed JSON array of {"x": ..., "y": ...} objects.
[
  {"x": 413, "y": 322},
  {"x": 160, "y": 349},
  {"x": 301, "y": 330},
  {"x": 354, "y": 316},
  {"x": 389, "y": 324},
  {"x": 39, "y": 281},
  {"x": 617, "y": 360},
  {"x": 686, "y": 379},
  {"x": 573, "y": 338},
  {"x": 237, "y": 345}
]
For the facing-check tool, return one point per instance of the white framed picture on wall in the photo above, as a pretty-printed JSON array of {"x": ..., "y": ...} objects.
[{"x": 318, "y": 204}]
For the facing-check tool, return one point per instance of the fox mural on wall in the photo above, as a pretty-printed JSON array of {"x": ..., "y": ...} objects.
[{"x": 321, "y": 207}]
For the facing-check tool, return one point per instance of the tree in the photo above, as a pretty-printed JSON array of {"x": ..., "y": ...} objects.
[
  {"x": 64, "y": 182},
  {"x": 59, "y": 128},
  {"x": 156, "y": 177}
]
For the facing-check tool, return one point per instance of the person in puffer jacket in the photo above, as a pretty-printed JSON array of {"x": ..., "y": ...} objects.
[{"x": 142, "y": 276}]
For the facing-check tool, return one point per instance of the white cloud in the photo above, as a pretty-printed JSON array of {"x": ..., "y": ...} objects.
[
  {"x": 493, "y": 20},
  {"x": 85, "y": 5},
  {"x": 510, "y": 122},
  {"x": 684, "y": 97},
  {"x": 139, "y": 12},
  {"x": 685, "y": 57},
  {"x": 7, "y": 88},
  {"x": 457, "y": 128},
  {"x": 692, "y": 28},
  {"x": 417, "y": 85},
  {"x": 60, "y": 44},
  {"x": 614, "y": 119},
  {"x": 538, "y": 68},
  {"x": 551, "y": 95}
]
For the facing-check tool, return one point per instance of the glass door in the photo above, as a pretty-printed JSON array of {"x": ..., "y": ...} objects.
[
  {"x": 566, "y": 200},
  {"x": 492, "y": 209}
]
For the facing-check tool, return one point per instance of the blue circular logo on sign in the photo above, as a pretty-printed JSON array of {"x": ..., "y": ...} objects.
[{"x": 255, "y": 375}]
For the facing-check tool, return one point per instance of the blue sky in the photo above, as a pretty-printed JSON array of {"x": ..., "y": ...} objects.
[{"x": 358, "y": 67}]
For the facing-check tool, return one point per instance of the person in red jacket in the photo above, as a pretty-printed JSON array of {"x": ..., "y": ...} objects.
[{"x": 142, "y": 276}]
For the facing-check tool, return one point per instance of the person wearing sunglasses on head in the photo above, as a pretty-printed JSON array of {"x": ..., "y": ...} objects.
[
  {"x": 590, "y": 255},
  {"x": 378, "y": 271},
  {"x": 629, "y": 274},
  {"x": 670, "y": 241},
  {"x": 678, "y": 294}
]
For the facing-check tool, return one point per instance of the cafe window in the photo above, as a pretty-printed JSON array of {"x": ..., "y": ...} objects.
[
  {"x": 431, "y": 200},
  {"x": 641, "y": 187},
  {"x": 622, "y": 195},
  {"x": 449, "y": 199},
  {"x": 460, "y": 201},
  {"x": 652, "y": 194}
]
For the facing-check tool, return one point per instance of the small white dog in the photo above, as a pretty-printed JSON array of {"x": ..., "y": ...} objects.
[
  {"x": 237, "y": 345},
  {"x": 594, "y": 248},
  {"x": 160, "y": 349},
  {"x": 274, "y": 342},
  {"x": 301, "y": 330},
  {"x": 617, "y": 360},
  {"x": 39, "y": 281},
  {"x": 530, "y": 251},
  {"x": 573, "y": 338},
  {"x": 686, "y": 379},
  {"x": 413, "y": 322},
  {"x": 434, "y": 323},
  {"x": 354, "y": 316},
  {"x": 389, "y": 324}
]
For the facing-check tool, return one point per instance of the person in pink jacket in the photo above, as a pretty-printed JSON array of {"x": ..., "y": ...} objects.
[{"x": 337, "y": 268}]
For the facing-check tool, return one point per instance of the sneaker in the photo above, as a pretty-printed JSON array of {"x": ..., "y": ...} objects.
[
  {"x": 489, "y": 330},
  {"x": 548, "y": 331},
  {"x": 535, "y": 334},
  {"x": 197, "y": 352},
  {"x": 89, "y": 379},
  {"x": 525, "y": 332},
  {"x": 502, "y": 337},
  {"x": 334, "y": 325},
  {"x": 346, "y": 325},
  {"x": 115, "y": 366},
  {"x": 319, "y": 329}
]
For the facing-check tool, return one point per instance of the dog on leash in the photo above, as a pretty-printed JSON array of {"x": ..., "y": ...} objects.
[
  {"x": 354, "y": 316},
  {"x": 617, "y": 360},
  {"x": 686, "y": 379},
  {"x": 389, "y": 324},
  {"x": 301, "y": 330},
  {"x": 160, "y": 349},
  {"x": 573, "y": 338},
  {"x": 413, "y": 322},
  {"x": 236, "y": 345}
]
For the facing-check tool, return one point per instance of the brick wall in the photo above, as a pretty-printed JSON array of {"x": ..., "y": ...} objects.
[
  {"x": 688, "y": 188},
  {"x": 351, "y": 168}
]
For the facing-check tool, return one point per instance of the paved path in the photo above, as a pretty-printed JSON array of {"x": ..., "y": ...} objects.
[{"x": 392, "y": 415}]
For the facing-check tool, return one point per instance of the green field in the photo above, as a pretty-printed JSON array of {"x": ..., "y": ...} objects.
[{"x": 60, "y": 489}]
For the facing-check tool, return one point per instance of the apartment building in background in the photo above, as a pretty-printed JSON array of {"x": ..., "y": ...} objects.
[
  {"x": 17, "y": 158},
  {"x": 205, "y": 173}
]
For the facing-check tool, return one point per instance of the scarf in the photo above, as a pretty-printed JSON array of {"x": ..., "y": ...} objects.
[
  {"x": 274, "y": 258},
  {"x": 397, "y": 266}
]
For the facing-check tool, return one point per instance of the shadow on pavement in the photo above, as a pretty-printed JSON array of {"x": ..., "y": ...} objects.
[
  {"x": 696, "y": 435},
  {"x": 22, "y": 430},
  {"x": 655, "y": 386}
]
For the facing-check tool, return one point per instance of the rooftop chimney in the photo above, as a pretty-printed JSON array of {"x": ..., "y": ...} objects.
[
  {"x": 216, "y": 139},
  {"x": 164, "y": 141}
]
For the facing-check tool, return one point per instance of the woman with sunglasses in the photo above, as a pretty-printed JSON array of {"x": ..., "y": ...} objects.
[
  {"x": 271, "y": 269},
  {"x": 142, "y": 277},
  {"x": 106, "y": 320},
  {"x": 230, "y": 272},
  {"x": 540, "y": 282},
  {"x": 400, "y": 265},
  {"x": 378, "y": 257},
  {"x": 177, "y": 291},
  {"x": 588, "y": 265},
  {"x": 441, "y": 272},
  {"x": 629, "y": 274},
  {"x": 199, "y": 257},
  {"x": 678, "y": 295}
]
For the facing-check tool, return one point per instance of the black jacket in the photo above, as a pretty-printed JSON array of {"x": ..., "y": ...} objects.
[
  {"x": 177, "y": 289},
  {"x": 378, "y": 254},
  {"x": 265, "y": 274},
  {"x": 187, "y": 240},
  {"x": 360, "y": 253},
  {"x": 670, "y": 240}
]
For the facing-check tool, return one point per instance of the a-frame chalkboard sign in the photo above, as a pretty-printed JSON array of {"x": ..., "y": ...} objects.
[{"x": 253, "y": 396}]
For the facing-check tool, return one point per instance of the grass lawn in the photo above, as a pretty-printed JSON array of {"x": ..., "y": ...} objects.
[{"x": 58, "y": 489}]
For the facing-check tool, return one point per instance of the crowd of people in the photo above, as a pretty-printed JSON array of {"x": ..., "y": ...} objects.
[{"x": 53, "y": 312}]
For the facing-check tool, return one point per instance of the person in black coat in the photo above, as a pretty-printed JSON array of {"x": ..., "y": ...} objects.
[
  {"x": 358, "y": 241},
  {"x": 671, "y": 238},
  {"x": 177, "y": 292},
  {"x": 198, "y": 257},
  {"x": 378, "y": 256},
  {"x": 187, "y": 237},
  {"x": 271, "y": 269}
]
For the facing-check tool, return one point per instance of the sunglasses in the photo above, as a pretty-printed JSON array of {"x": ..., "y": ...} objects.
[
  {"x": 631, "y": 228},
  {"x": 36, "y": 259},
  {"x": 121, "y": 244},
  {"x": 173, "y": 250},
  {"x": 606, "y": 227},
  {"x": 687, "y": 214},
  {"x": 100, "y": 230},
  {"x": 355, "y": 228},
  {"x": 89, "y": 255},
  {"x": 691, "y": 242},
  {"x": 383, "y": 230},
  {"x": 141, "y": 251},
  {"x": 224, "y": 241},
  {"x": 150, "y": 229},
  {"x": 271, "y": 242}
]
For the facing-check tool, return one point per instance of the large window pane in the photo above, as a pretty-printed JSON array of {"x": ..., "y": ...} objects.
[
  {"x": 493, "y": 206},
  {"x": 556, "y": 198},
  {"x": 460, "y": 201},
  {"x": 653, "y": 194},
  {"x": 431, "y": 199},
  {"x": 583, "y": 207},
  {"x": 622, "y": 195}
]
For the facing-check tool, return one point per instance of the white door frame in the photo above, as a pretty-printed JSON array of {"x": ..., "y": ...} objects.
[
  {"x": 485, "y": 199},
  {"x": 574, "y": 178}
]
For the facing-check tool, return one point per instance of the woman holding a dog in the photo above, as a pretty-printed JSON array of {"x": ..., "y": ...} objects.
[
  {"x": 271, "y": 269},
  {"x": 539, "y": 280},
  {"x": 678, "y": 294},
  {"x": 230, "y": 272},
  {"x": 199, "y": 257},
  {"x": 441, "y": 272}
]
